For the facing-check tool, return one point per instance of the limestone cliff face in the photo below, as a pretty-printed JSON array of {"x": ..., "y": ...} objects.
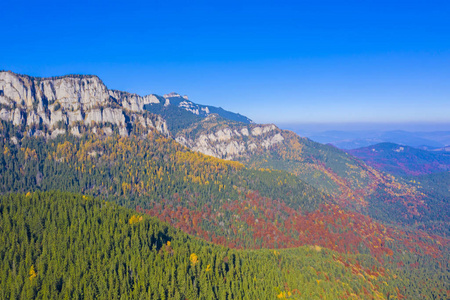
[
  {"x": 78, "y": 103},
  {"x": 229, "y": 140},
  {"x": 50, "y": 106}
]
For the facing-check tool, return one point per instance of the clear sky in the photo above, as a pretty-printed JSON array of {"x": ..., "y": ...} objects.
[{"x": 273, "y": 61}]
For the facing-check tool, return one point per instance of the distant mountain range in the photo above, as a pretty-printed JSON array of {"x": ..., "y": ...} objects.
[
  {"x": 435, "y": 140},
  {"x": 403, "y": 160}
]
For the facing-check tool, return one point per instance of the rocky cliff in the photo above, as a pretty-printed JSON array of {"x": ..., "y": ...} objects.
[
  {"x": 78, "y": 103},
  {"x": 226, "y": 139},
  {"x": 53, "y": 106}
]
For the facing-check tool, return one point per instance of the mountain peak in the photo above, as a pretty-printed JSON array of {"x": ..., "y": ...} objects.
[{"x": 175, "y": 95}]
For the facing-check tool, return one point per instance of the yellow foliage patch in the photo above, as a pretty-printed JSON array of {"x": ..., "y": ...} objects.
[
  {"x": 194, "y": 259},
  {"x": 134, "y": 219},
  {"x": 32, "y": 273}
]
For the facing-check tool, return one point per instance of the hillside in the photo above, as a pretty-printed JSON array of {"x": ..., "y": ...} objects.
[
  {"x": 349, "y": 181},
  {"x": 224, "y": 203},
  {"x": 152, "y": 173},
  {"x": 403, "y": 160},
  {"x": 58, "y": 245}
]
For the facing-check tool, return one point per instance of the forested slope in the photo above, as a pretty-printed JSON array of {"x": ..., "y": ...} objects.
[
  {"x": 225, "y": 203},
  {"x": 154, "y": 174},
  {"x": 58, "y": 245},
  {"x": 355, "y": 185},
  {"x": 346, "y": 179}
]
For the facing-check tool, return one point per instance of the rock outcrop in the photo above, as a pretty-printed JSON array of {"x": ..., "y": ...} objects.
[
  {"x": 229, "y": 140},
  {"x": 52, "y": 106}
]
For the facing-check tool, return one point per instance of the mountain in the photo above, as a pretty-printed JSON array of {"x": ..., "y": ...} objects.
[
  {"x": 403, "y": 160},
  {"x": 359, "y": 139},
  {"x": 349, "y": 181},
  {"x": 180, "y": 113},
  {"x": 82, "y": 105},
  {"x": 73, "y": 103}
]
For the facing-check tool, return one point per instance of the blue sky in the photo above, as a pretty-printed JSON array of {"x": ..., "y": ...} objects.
[{"x": 307, "y": 62}]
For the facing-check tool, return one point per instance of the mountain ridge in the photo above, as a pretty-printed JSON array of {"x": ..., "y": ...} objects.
[
  {"x": 51, "y": 106},
  {"x": 348, "y": 140}
]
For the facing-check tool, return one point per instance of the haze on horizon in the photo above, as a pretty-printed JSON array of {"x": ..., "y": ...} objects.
[{"x": 285, "y": 62}]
